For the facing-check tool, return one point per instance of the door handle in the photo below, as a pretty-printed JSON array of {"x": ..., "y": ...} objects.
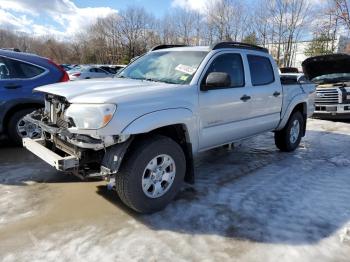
[
  {"x": 245, "y": 98},
  {"x": 276, "y": 94},
  {"x": 12, "y": 86}
]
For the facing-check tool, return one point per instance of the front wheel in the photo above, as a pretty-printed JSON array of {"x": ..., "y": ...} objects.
[
  {"x": 288, "y": 139},
  {"x": 152, "y": 174}
]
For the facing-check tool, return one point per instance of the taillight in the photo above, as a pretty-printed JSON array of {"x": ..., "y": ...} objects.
[
  {"x": 64, "y": 77},
  {"x": 76, "y": 74}
]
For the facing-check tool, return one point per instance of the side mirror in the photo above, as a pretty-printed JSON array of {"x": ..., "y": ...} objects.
[{"x": 216, "y": 80}]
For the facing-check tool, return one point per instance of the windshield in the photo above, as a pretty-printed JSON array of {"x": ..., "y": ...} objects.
[
  {"x": 174, "y": 67},
  {"x": 332, "y": 78}
]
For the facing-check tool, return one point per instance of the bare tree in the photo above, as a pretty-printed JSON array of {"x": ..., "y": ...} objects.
[
  {"x": 166, "y": 29},
  {"x": 298, "y": 11},
  {"x": 262, "y": 27},
  {"x": 326, "y": 26},
  {"x": 225, "y": 19},
  {"x": 135, "y": 25},
  {"x": 342, "y": 11}
]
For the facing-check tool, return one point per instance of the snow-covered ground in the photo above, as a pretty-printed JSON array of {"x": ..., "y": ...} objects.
[{"x": 252, "y": 203}]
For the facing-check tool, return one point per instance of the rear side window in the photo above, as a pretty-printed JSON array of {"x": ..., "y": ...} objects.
[
  {"x": 261, "y": 70},
  {"x": 14, "y": 69},
  {"x": 232, "y": 65},
  {"x": 100, "y": 71}
]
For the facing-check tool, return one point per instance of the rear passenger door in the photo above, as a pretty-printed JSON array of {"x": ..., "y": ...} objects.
[{"x": 267, "y": 93}]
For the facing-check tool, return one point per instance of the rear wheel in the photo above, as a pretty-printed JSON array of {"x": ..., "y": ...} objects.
[
  {"x": 19, "y": 128},
  {"x": 288, "y": 139},
  {"x": 152, "y": 174}
]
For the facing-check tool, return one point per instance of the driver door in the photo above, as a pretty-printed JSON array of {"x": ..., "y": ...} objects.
[{"x": 224, "y": 112}]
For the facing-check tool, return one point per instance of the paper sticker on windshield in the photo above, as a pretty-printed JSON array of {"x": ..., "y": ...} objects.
[
  {"x": 184, "y": 77},
  {"x": 185, "y": 69}
]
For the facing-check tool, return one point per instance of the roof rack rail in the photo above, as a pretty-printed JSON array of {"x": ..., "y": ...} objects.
[
  {"x": 239, "y": 45},
  {"x": 158, "y": 47},
  {"x": 11, "y": 49}
]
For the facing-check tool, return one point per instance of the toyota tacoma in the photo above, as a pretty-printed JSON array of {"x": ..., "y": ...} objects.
[{"x": 142, "y": 129}]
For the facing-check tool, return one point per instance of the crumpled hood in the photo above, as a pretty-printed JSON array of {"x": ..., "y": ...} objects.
[
  {"x": 104, "y": 90},
  {"x": 326, "y": 64}
]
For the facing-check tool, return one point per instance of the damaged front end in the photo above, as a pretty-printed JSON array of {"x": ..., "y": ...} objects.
[{"x": 62, "y": 145}]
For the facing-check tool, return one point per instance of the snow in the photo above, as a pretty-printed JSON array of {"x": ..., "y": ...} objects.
[{"x": 252, "y": 203}]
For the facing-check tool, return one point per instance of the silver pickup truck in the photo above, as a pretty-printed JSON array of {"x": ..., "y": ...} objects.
[{"x": 142, "y": 129}]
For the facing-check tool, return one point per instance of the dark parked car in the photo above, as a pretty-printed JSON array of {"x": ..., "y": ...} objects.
[{"x": 19, "y": 74}]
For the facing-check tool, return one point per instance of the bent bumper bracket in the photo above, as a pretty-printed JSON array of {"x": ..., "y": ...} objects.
[{"x": 36, "y": 146}]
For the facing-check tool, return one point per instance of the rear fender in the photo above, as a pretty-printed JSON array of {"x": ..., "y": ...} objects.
[{"x": 299, "y": 99}]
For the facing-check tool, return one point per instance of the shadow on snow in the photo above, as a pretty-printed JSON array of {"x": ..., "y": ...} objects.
[{"x": 253, "y": 193}]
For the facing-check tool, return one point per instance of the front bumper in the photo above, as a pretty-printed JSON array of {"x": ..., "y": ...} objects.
[
  {"x": 332, "y": 111},
  {"x": 61, "y": 163},
  {"x": 79, "y": 154}
]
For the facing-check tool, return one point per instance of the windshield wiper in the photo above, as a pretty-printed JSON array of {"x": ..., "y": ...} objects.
[
  {"x": 147, "y": 79},
  {"x": 120, "y": 77},
  {"x": 154, "y": 80}
]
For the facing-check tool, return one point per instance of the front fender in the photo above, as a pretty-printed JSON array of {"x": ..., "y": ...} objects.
[{"x": 161, "y": 118}]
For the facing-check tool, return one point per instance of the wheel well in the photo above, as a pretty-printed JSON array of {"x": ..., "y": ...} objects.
[
  {"x": 17, "y": 108},
  {"x": 179, "y": 134},
  {"x": 302, "y": 108}
]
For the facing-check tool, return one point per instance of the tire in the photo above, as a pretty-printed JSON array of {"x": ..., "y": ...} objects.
[
  {"x": 287, "y": 139},
  {"x": 130, "y": 184},
  {"x": 12, "y": 130}
]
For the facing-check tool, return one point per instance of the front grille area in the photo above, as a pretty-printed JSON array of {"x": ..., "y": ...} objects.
[
  {"x": 62, "y": 123},
  {"x": 328, "y": 96},
  {"x": 56, "y": 108}
]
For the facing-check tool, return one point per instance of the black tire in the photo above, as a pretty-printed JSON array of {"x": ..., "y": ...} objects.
[
  {"x": 12, "y": 131},
  {"x": 129, "y": 178},
  {"x": 283, "y": 139}
]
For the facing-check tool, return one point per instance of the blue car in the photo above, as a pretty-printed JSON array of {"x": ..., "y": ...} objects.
[{"x": 20, "y": 73}]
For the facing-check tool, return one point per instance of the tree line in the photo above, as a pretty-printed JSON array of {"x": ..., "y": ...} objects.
[{"x": 275, "y": 24}]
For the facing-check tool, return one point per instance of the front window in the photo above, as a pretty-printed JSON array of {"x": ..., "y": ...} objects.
[
  {"x": 231, "y": 64},
  {"x": 174, "y": 67},
  {"x": 332, "y": 78}
]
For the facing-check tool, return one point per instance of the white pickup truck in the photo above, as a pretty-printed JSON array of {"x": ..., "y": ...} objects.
[
  {"x": 331, "y": 73},
  {"x": 142, "y": 129}
]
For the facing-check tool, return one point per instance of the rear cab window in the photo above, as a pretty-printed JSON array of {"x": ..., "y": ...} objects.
[
  {"x": 15, "y": 69},
  {"x": 261, "y": 70}
]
